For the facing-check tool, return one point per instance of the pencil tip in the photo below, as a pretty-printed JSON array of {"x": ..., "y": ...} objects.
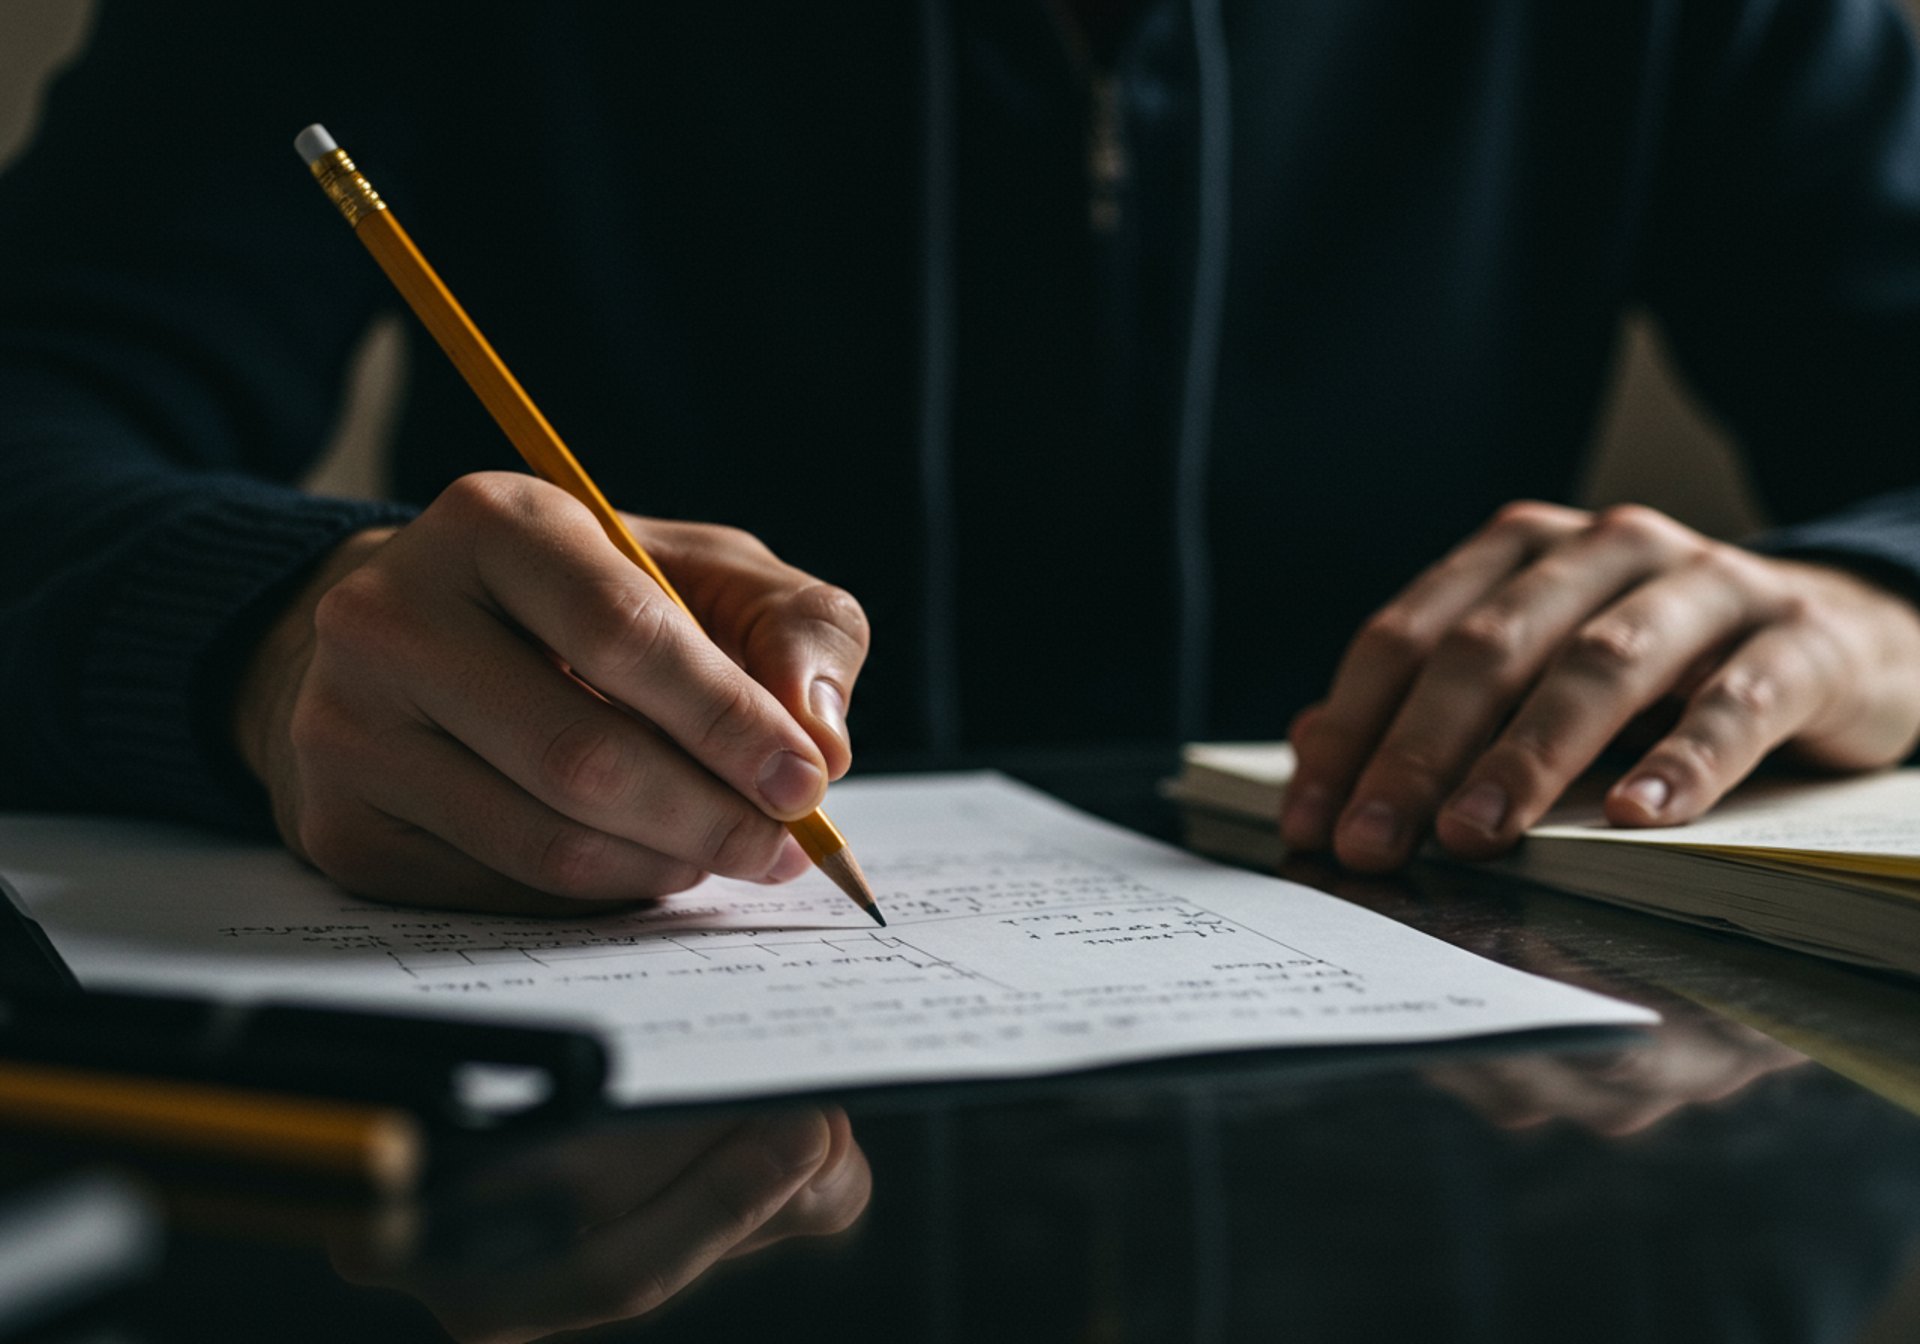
[{"x": 844, "y": 869}]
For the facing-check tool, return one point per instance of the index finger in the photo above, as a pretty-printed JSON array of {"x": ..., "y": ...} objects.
[
  {"x": 1380, "y": 665},
  {"x": 805, "y": 640},
  {"x": 567, "y": 586}
]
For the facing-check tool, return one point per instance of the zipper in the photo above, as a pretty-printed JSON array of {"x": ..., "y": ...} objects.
[
  {"x": 1107, "y": 160},
  {"x": 1108, "y": 165}
]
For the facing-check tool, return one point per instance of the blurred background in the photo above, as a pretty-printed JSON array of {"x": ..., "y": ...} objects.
[{"x": 1654, "y": 444}]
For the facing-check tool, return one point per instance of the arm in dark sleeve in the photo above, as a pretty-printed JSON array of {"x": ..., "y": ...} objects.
[
  {"x": 1783, "y": 259},
  {"x": 177, "y": 304}
]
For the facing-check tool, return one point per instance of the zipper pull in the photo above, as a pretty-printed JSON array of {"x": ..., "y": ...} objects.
[{"x": 1107, "y": 165}]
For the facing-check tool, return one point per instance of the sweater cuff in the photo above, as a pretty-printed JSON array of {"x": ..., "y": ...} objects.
[
  {"x": 158, "y": 671},
  {"x": 1878, "y": 539}
]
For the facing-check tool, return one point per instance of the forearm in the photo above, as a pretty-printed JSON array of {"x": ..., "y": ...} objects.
[
  {"x": 124, "y": 628},
  {"x": 176, "y": 313}
]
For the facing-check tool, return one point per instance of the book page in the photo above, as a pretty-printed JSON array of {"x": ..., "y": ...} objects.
[
  {"x": 1871, "y": 815},
  {"x": 1022, "y": 938},
  {"x": 1247, "y": 779},
  {"x": 1269, "y": 764},
  {"x": 1868, "y": 824}
]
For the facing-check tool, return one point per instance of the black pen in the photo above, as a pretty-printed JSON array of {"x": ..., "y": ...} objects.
[{"x": 428, "y": 1065}]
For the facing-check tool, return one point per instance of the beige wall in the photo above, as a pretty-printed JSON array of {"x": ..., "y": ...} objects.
[
  {"x": 38, "y": 34},
  {"x": 36, "y": 37},
  {"x": 1653, "y": 445}
]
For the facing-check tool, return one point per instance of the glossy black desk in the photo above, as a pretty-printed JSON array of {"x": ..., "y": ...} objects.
[{"x": 1708, "y": 1181}]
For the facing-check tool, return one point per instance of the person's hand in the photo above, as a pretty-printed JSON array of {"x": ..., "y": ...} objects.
[
  {"x": 492, "y": 707},
  {"x": 1615, "y": 1093},
  {"x": 610, "y": 1226},
  {"x": 1469, "y": 703}
]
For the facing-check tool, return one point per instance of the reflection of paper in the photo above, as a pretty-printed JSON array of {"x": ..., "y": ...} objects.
[{"x": 1023, "y": 938}]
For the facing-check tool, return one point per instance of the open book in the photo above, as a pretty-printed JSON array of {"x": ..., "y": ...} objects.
[{"x": 1828, "y": 866}]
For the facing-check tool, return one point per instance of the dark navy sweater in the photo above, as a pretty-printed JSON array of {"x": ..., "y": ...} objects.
[{"x": 1117, "y": 397}]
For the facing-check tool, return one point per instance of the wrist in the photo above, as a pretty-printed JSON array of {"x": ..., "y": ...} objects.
[
  {"x": 270, "y": 678},
  {"x": 1871, "y": 645}
]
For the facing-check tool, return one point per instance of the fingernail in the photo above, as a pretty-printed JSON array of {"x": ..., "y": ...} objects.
[
  {"x": 1375, "y": 827},
  {"x": 1483, "y": 807},
  {"x": 1308, "y": 813},
  {"x": 1649, "y": 792},
  {"x": 790, "y": 782},
  {"x": 792, "y": 862},
  {"x": 794, "y": 1140},
  {"x": 829, "y": 706}
]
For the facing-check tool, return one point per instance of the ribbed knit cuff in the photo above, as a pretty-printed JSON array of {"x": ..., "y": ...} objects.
[{"x": 157, "y": 673}]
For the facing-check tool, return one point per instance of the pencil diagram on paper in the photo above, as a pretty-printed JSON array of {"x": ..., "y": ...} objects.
[{"x": 683, "y": 957}]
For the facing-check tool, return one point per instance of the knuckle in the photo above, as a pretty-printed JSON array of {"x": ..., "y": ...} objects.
[
  {"x": 1520, "y": 759},
  {"x": 833, "y": 606},
  {"x": 1486, "y": 637},
  {"x": 1529, "y": 516},
  {"x": 360, "y": 612},
  {"x": 1608, "y": 650},
  {"x": 314, "y": 727},
  {"x": 1821, "y": 651},
  {"x": 1731, "y": 567},
  {"x": 326, "y": 735},
  {"x": 1326, "y": 736},
  {"x": 1811, "y": 618},
  {"x": 729, "y": 718},
  {"x": 1749, "y": 693},
  {"x": 1390, "y": 636},
  {"x": 1635, "y": 524},
  {"x": 630, "y": 629},
  {"x": 708, "y": 544},
  {"x": 741, "y": 842},
  {"x": 721, "y": 537},
  {"x": 1415, "y": 768},
  {"x": 573, "y": 860},
  {"x": 486, "y": 497},
  {"x": 1302, "y": 722},
  {"x": 583, "y": 763}
]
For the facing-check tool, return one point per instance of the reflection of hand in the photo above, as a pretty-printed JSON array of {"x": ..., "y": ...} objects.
[
  {"x": 1692, "y": 1057},
  {"x": 1618, "y": 1092},
  {"x": 649, "y": 1212},
  {"x": 418, "y": 743},
  {"x": 1472, "y": 700}
]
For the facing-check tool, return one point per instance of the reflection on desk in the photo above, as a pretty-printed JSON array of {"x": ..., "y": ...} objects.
[
  {"x": 1351, "y": 1206},
  {"x": 1711, "y": 1184}
]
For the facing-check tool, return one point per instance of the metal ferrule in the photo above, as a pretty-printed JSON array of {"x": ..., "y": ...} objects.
[{"x": 344, "y": 185}]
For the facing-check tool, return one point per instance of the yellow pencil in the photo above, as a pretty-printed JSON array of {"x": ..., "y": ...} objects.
[
  {"x": 513, "y": 410},
  {"x": 365, "y": 1144}
]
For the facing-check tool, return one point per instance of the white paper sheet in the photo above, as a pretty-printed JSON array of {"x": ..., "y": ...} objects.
[{"x": 1023, "y": 938}]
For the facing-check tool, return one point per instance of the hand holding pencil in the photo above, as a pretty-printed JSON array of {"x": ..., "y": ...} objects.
[{"x": 505, "y": 704}]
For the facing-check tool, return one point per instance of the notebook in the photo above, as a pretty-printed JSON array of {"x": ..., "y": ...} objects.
[{"x": 1826, "y": 866}]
